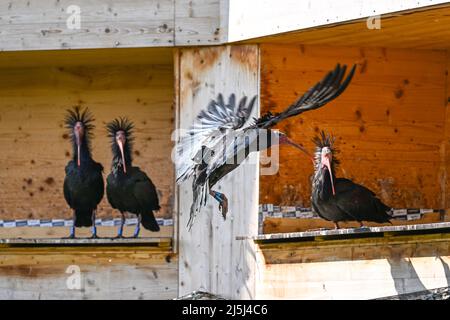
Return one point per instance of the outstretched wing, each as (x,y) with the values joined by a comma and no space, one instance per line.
(330,87)
(210,126)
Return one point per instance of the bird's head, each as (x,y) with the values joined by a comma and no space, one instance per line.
(79,123)
(120,131)
(324,160)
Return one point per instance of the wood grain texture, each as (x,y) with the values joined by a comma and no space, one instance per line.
(389,123)
(42,24)
(281,225)
(345,269)
(424,28)
(200,22)
(36,146)
(210,257)
(106,273)
(28,25)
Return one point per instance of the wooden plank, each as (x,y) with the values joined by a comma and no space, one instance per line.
(445,166)
(345,269)
(381,230)
(282,225)
(200,22)
(405,24)
(36,146)
(86,57)
(389,123)
(210,258)
(105,273)
(41,24)
(87,241)
(61,232)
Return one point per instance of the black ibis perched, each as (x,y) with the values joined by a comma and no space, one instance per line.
(219,140)
(83,184)
(339,199)
(129,189)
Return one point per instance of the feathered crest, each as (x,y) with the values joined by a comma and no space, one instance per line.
(120,124)
(83,115)
(127,126)
(325,140)
(77,114)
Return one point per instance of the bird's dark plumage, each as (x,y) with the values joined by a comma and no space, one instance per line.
(83,184)
(219,135)
(351,201)
(129,189)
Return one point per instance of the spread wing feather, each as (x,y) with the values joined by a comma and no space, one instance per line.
(210,127)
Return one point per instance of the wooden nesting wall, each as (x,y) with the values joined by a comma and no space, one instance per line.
(389,124)
(35,145)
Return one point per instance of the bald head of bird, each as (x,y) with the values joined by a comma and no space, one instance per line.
(79,123)
(120,132)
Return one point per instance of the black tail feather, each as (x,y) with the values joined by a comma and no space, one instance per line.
(149,222)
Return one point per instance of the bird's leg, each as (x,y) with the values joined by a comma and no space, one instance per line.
(72,228)
(138,227)
(94,228)
(122,221)
(336,226)
(223,202)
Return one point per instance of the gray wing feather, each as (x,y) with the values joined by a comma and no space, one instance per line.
(209,128)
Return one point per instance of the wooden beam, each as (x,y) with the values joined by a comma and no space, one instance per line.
(210,258)
(109,272)
(200,22)
(281,16)
(43,24)
(345,269)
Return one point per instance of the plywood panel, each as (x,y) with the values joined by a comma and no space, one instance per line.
(35,144)
(28,25)
(280,225)
(105,273)
(425,28)
(389,123)
(211,259)
(200,22)
(376,268)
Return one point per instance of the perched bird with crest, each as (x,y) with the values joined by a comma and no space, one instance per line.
(129,189)
(339,199)
(219,141)
(83,184)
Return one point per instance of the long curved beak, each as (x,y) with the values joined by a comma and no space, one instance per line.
(326,162)
(78,142)
(296,145)
(120,143)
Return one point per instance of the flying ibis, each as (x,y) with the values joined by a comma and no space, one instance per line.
(222,137)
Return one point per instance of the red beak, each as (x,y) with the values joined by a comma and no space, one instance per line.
(121,142)
(78,141)
(326,163)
